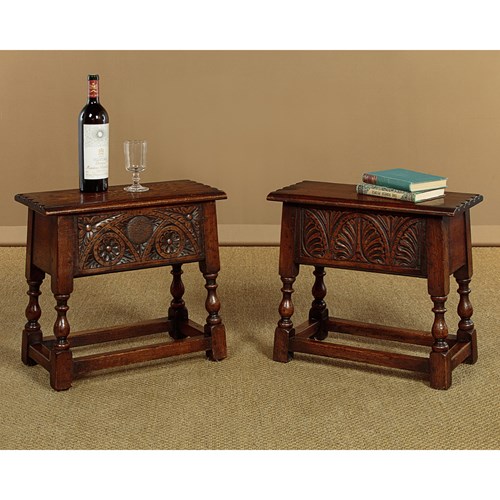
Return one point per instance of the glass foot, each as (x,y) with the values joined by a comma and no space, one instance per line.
(136,188)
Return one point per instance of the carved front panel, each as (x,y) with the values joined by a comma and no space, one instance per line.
(131,238)
(364,240)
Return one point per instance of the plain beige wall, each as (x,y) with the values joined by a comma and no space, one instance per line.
(249,122)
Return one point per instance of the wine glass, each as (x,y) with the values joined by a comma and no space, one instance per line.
(135,162)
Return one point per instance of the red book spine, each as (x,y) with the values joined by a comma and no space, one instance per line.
(370,178)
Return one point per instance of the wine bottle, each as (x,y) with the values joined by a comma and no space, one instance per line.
(93,141)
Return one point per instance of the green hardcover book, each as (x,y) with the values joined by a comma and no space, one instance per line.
(398,194)
(405,180)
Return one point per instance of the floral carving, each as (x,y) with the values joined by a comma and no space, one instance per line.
(89,226)
(170,242)
(374,239)
(108,249)
(145,236)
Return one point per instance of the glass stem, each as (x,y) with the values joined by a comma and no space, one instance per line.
(135,178)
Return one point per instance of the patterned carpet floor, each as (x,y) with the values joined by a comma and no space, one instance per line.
(248,401)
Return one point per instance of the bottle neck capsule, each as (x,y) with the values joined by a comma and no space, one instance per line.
(93,91)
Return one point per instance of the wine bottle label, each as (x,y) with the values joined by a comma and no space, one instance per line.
(96,151)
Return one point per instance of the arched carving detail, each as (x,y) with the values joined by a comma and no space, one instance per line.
(149,235)
(343,236)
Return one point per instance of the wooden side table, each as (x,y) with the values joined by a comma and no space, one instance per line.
(73,234)
(330,225)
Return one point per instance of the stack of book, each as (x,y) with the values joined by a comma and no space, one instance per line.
(402,184)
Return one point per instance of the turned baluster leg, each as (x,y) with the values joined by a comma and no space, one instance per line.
(438,286)
(214,327)
(32,333)
(210,267)
(440,362)
(288,271)
(284,331)
(61,357)
(318,311)
(439,327)
(177,311)
(466,331)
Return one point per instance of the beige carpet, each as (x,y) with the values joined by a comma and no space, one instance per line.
(248,401)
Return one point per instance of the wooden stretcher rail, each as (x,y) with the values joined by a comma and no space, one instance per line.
(85,364)
(40,354)
(389,359)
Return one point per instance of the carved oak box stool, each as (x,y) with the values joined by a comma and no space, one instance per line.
(330,225)
(73,234)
